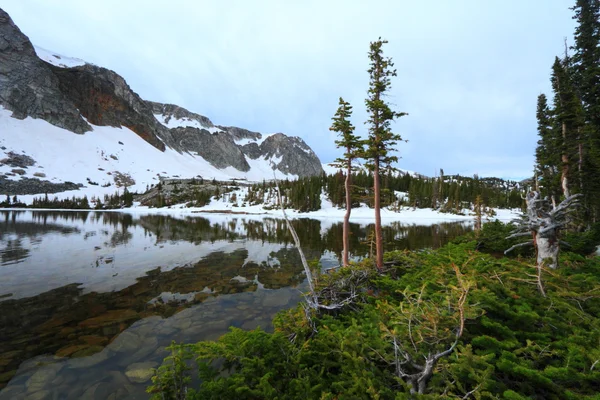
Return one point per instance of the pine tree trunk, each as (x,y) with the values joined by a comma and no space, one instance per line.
(378,232)
(580,166)
(346,229)
(565,165)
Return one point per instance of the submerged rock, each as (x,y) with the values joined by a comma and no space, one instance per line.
(140,372)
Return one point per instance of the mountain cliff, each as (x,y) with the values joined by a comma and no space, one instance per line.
(43,95)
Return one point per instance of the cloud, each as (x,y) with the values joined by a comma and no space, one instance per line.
(469,71)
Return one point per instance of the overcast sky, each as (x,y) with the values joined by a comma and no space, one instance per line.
(469,71)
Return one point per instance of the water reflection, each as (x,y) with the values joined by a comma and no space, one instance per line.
(73,282)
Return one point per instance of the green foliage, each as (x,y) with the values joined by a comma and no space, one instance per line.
(348,141)
(583,243)
(381,140)
(516,344)
(492,239)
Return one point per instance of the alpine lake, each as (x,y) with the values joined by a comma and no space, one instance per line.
(89,301)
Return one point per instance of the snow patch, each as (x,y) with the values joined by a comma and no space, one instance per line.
(56,59)
(245,141)
(184,123)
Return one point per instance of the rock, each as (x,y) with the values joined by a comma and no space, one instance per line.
(42,377)
(27,85)
(168,111)
(12,393)
(40,395)
(147,347)
(17,160)
(98,391)
(109,318)
(219,149)
(34,186)
(140,372)
(87,351)
(147,326)
(6,376)
(121,393)
(276,298)
(68,350)
(104,98)
(126,342)
(86,362)
(94,340)
(296,156)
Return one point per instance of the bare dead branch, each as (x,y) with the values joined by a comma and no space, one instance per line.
(528,243)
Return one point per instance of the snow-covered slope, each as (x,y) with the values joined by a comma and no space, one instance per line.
(96,156)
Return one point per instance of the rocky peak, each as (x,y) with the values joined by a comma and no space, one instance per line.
(104,98)
(68,93)
(172,115)
(27,85)
(294,155)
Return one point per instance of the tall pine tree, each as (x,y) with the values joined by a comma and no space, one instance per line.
(352,146)
(547,153)
(568,118)
(586,74)
(381,140)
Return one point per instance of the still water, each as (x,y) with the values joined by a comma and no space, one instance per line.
(90,300)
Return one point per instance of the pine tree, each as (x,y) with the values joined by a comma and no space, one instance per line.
(586,76)
(547,153)
(352,146)
(568,119)
(381,140)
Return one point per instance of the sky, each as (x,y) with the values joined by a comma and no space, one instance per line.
(468,71)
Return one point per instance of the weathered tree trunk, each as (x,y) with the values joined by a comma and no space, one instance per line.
(378,231)
(547,250)
(545,237)
(346,228)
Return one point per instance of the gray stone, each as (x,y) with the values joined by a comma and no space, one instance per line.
(41,395)
(85,362)
(120,393)
(34,186)
(126,342)
(42,377)
(17,160)
(147,347)
(276,298)
(98,391)
(140,372)
(12,392)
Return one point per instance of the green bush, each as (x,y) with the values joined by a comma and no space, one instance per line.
(515,344)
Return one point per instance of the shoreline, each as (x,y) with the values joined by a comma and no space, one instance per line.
(361,215)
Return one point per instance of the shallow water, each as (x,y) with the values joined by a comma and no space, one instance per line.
(88,301)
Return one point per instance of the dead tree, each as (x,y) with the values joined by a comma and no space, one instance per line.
(422,332)
(543,223)
(349,290)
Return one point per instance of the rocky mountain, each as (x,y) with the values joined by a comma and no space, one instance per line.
(90,101)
